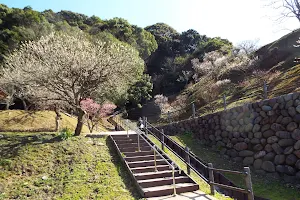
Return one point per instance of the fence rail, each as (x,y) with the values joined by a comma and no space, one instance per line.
(206,171)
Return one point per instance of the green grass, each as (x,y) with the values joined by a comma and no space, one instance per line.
(204,187)
(263,186)
(40,166)
(36,121)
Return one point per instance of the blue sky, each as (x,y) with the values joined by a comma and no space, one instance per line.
(236,20)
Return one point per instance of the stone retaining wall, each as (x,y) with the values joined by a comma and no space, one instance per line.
(264,135)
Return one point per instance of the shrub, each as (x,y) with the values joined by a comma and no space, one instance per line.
(65,134)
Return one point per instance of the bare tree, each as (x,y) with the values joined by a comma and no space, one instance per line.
(69,68)
(247,47)
(286,8)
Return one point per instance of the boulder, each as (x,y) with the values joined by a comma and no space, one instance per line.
(248,161)
(248,127)
(279,119)
(288,97)
(277,127)
(259,154)
(256,128)
(298,109)
(263,141)
(289,104)
(272,139)
(257,120)
(269,156)
(298,175)
(286,142)
(266,108)
(280,168)
(245,153)
(236,134)
(279,159)
(258,135)
(297,145)
(250,135)
(288,150)
(289,170)
(292,111)
(296,134)
(268,133)
(257,164)
(265,127)
(240,146)
(286,120)
(268,148)
(278,149)
(297,165)
(284,112)
(237,159)
(255,141)
(296,118)
(297,153)
(268,166)
(263,113)
(258,147)
(283,134)
(292,126)
(291,159)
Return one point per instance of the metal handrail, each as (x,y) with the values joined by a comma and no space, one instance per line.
(137,130)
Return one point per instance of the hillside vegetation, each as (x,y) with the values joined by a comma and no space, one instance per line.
(41,166)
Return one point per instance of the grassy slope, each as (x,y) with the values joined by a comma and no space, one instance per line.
(19,120)
(38,166)
(264,187)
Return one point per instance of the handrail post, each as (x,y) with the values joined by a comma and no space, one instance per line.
(248,183)
(155,166)
(211,178)
(162,140)
(193,110)
(188,160)
(146,126)
(174,182)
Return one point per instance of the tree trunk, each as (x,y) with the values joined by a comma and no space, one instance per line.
(79,122)
(57,119)
(24,104)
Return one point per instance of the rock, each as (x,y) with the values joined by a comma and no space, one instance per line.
(256,128)
(255,141)
(269,156)
(272,139)
(280,168)
(268,166)
(278,149)
(283,134)
(288,150)
(279,159)
(297,153)
(292,126)
(250,135)
(284,113)
(296,134)
(265,127)
(44,177)
(1,136)
(229,128)
(279,119)
(286,142)
(257,120)
(236,135)
(298,109)
(289,179)
(295,95)
(292,111)
(223,151)
(288,97)
(266,108)
(298,176)
(291,159)
(268,133)
(257,164)
(241,146)
(297,145)
(220,144)
(277,127)
(233,153)
(237,159)
(263,141)
(286,120)
(248,161)
(224,134)
(289,104)
(245,153)
(248,127)
(268,148)
(258,147)
(296,118)
(212,137)
(261,172)
(263,114)
(259,154)
(289,170)
(297,165)
(258,135)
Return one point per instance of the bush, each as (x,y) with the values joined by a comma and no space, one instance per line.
(66,133)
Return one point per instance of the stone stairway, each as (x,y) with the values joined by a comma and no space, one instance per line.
(151,169)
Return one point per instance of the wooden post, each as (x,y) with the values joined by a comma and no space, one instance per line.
(265,90)
(249,183)
(224,101)
(211,178)
(193,110)
(162,140)
(188,160)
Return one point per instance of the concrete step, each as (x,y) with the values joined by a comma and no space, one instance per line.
(138,153)
(163,181)
(132,144)
(152,175)
(150,169)
(145,163)
(135,149)
(140,158)
(169,189)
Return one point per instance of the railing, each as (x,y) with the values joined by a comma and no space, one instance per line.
(127,126)
(207,172)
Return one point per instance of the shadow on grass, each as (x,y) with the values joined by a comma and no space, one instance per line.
(123,171)
(10,144)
